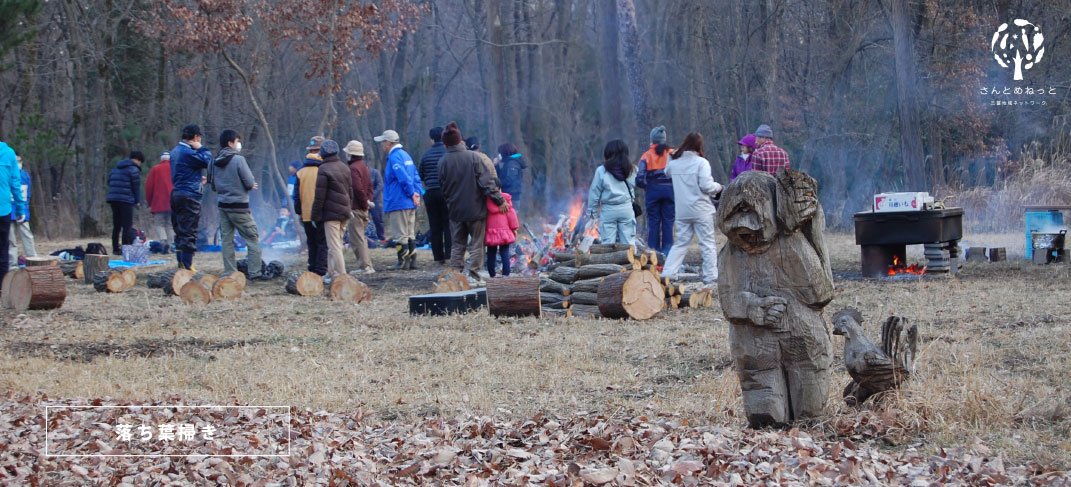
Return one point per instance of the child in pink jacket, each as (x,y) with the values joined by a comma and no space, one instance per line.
(501,232)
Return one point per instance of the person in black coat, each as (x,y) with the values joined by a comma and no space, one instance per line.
(124,183)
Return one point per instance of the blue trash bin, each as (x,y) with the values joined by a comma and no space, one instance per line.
(1045,221)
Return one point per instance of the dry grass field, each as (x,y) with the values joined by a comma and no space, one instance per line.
(993,368)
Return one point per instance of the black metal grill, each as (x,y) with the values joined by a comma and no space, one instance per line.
(884,235)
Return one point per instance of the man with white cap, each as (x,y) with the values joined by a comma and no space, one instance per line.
(362,202)
(401,198)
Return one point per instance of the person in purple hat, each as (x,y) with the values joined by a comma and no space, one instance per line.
(743,161)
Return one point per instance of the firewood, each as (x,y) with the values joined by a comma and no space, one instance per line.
(636,295)
(451,280)
(347,288)
(695,299)
(642,260)
(710,300)
(208,280)
(194,292)
(622,257)
(608,248)
(178,279)
(93,264)
(514,296)
(130,278)
(587,285)
(447,286)
(673,302)
(564,274)
(305,284)
(563,257)
(551,298)
(42,261)
(591,299)
(563,304)
(561,313)
(585,311)
(72,268)
(228,288)
(39,287)
(109,281)
(600,270)
(5,293)
(547,285)
(238,277)
(160,279)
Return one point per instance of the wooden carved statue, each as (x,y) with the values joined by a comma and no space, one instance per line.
(875,370)
(774,282)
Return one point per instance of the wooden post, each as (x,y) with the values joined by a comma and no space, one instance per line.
(37,288)
(631,294)
(93,264)
(513,296)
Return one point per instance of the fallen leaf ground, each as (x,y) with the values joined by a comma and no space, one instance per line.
(381,397)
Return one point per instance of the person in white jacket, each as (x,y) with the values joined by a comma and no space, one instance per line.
(612,191)
(693,190)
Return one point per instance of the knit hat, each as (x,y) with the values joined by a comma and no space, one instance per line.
(328,148)
(764,131)
(354,148)
(472,143)
(165,156)
(658,135)
(389,136)
(748,141)
(314,143)
(295,164)
(452,135)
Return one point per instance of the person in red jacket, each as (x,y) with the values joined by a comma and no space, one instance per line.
(158,194)
(501,233)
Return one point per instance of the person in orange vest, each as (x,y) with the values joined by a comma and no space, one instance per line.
(652,178)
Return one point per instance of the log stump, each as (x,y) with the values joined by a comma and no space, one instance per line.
(42,261)
(228,288)
(93,264)
(636,295)
(598,270)
(36,288)
(621,257)
(179,278)
(347,288)
(514,296)
(305,284)
(195,293)
(109,281)
(72,269)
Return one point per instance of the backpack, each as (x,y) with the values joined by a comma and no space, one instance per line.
(96,248)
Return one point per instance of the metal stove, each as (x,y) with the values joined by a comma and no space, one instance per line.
(883,238)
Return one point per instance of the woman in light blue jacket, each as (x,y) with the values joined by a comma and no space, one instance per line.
(611,194)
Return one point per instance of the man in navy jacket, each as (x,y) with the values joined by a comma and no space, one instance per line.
(188,162)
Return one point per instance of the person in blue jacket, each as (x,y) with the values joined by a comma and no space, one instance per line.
(13,208)
(400,198)
(661,208)
(188,161)
(124,192)
(21,230)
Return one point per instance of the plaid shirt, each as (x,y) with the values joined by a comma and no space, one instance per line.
(769,157)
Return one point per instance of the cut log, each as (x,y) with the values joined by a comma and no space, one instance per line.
(697,299)
(239,277)
(160,279)
(587,285)
(551,286)
(72,269)
(710,300)
(673,302)
(129,277)
(93,264)
(448,303)
(513,296)
(564,257)
(227,288)
(591,299)
(608,248)
(559,313)
(42,261)
(585,311)
(551,298)
(622,257)
(636,295)
(450,281)
(674,289)
(195,293)
(109,281)
(448,286)
(564,274)
(208,280)
(305,284)
(5,287)
(36,288)
(179,278)
(347,288)
(642,260)
(600,270)
(563,304)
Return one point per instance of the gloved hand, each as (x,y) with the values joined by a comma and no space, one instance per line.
(371,204)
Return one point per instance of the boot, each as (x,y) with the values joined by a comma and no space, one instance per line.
(412,254)
(401,259)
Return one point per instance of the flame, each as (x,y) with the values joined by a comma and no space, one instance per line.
(575,208)
(898,267)
(559,240)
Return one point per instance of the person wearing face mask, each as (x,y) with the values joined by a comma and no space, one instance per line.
(232,181)
(743,161)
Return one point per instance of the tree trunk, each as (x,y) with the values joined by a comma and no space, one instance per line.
(609,70)
(93,264)
(630,49)
(636,295)
(305,284)
(36,288)
(513,296)
(907,95)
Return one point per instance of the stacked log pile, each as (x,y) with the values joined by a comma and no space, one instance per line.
(572,288)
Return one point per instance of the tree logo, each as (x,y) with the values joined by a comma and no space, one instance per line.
(1009,46)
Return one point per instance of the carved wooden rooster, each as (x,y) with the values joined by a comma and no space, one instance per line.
(874,369)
